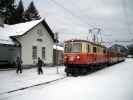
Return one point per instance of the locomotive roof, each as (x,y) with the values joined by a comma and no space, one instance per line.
(78,40)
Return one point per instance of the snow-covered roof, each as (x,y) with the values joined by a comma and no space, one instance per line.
(16,29)
(58,48)
(6,41)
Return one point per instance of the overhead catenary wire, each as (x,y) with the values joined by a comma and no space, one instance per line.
(70,12)
(124,6)
(116,41)
(85,22)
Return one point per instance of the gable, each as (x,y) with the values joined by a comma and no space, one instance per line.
(21,29)
(45,25)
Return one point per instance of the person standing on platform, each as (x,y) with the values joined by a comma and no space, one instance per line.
(18,65)
(39,65)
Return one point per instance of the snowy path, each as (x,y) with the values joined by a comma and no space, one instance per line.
(11,81)
(113,83)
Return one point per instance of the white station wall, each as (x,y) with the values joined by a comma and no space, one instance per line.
(30,39)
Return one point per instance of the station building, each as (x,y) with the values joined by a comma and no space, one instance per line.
(28,40)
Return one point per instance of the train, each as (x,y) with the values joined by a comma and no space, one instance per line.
(82,57)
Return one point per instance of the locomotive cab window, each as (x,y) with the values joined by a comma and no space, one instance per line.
(94,49)
(73,47)
(76,47)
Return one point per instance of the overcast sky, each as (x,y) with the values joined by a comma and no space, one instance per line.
(73,18)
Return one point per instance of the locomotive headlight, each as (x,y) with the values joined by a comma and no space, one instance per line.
(65,57)
(78,57)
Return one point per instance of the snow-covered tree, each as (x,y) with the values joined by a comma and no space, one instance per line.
(7,9)
(31,13)
(19,14)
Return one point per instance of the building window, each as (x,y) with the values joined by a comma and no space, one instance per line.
(94,49)
(43,52)
(34,52)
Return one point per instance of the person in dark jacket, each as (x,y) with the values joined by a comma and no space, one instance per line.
(39,65)
(18,65)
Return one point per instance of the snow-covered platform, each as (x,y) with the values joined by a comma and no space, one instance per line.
(10,81)
(112,83)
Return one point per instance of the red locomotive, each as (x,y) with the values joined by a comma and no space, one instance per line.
(82,56)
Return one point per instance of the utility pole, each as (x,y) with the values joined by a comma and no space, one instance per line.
(56,52)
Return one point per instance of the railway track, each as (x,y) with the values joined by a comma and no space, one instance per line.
(39,84)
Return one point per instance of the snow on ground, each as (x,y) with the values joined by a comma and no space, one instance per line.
(112,83)
(12,81)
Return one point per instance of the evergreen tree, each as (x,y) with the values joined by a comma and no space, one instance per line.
(31,13)
(19,14)
(7,9)
(3,6)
